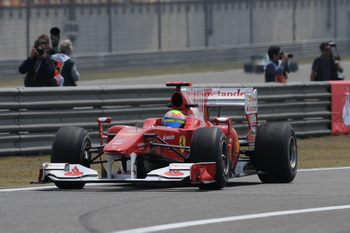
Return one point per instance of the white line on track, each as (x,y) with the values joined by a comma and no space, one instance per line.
(52,186)
(35,188)
(26,188)
(322,169)
(230,219)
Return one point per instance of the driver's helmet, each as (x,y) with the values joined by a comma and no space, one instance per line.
(174,119)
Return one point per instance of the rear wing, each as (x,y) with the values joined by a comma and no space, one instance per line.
(227,97)
(224,97)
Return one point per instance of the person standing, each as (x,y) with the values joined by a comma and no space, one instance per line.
(65,65)
(276,67)
(325,67)
(39,67)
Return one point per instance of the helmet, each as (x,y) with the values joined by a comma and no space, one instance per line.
(174,119)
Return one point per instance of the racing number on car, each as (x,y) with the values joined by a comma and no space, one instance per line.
(182,142)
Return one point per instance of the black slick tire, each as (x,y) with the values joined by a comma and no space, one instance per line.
(276,153)
(209,144)
(71,145)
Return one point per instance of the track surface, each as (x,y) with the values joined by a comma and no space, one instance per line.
(245,205)
(215,78)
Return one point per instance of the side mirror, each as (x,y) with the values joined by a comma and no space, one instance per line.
(102,120)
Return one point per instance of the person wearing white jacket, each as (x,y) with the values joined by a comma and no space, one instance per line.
(65,67)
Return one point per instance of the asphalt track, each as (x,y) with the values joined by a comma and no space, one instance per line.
(214,78)
(317,201)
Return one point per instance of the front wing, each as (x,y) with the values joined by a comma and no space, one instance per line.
(196,173)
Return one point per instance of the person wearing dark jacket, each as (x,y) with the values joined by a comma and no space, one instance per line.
(65,65)
(325,67)
(277,65)
(39,67)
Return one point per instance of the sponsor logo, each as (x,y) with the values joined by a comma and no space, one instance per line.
(253,129)
(168,137)
(55,166)
(118,142)
(346,109)
(74,172)
(177,166)
(253,118)
(174,173)
(224,93)
(216,92)
(141,146)
(182,142)
(128,134)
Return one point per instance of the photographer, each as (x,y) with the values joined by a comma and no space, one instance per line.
(325,67)
(277,67)
(39,66)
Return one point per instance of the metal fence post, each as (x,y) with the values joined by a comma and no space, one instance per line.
(159,6)
(251,24)
(208,20)
(27,26)
(109,23)
(294,19)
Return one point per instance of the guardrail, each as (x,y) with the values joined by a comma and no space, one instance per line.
(29,117)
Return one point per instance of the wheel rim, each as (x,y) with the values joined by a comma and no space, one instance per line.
(86,154)
(293,154)
(225,158)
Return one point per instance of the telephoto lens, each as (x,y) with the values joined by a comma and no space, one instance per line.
(290,55)
(332,44)
(40,51)
(55,36)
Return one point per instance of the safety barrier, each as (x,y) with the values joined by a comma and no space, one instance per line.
(29,117)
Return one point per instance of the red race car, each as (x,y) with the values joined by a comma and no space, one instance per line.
(182,147)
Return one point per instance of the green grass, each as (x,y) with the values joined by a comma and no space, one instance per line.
(327,151)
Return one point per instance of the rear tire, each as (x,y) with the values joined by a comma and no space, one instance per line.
(209,144)
(248,67)
(71,145)
(276,153)
(293,67)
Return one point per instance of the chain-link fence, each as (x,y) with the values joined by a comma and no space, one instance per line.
(9,3)
(106,27)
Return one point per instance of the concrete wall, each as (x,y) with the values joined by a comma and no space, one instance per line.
(125,28)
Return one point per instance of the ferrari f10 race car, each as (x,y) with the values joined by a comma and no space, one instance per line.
(184,147)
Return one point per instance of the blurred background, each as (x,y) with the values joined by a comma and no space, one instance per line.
(124,34)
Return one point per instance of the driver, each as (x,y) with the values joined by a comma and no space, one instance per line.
(174,119)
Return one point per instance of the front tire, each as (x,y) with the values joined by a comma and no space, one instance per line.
(209,144)
(276,153)
(71,145)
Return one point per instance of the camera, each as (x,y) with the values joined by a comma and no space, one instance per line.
(40,51)
(55,38)
(332,44)
(290,55)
